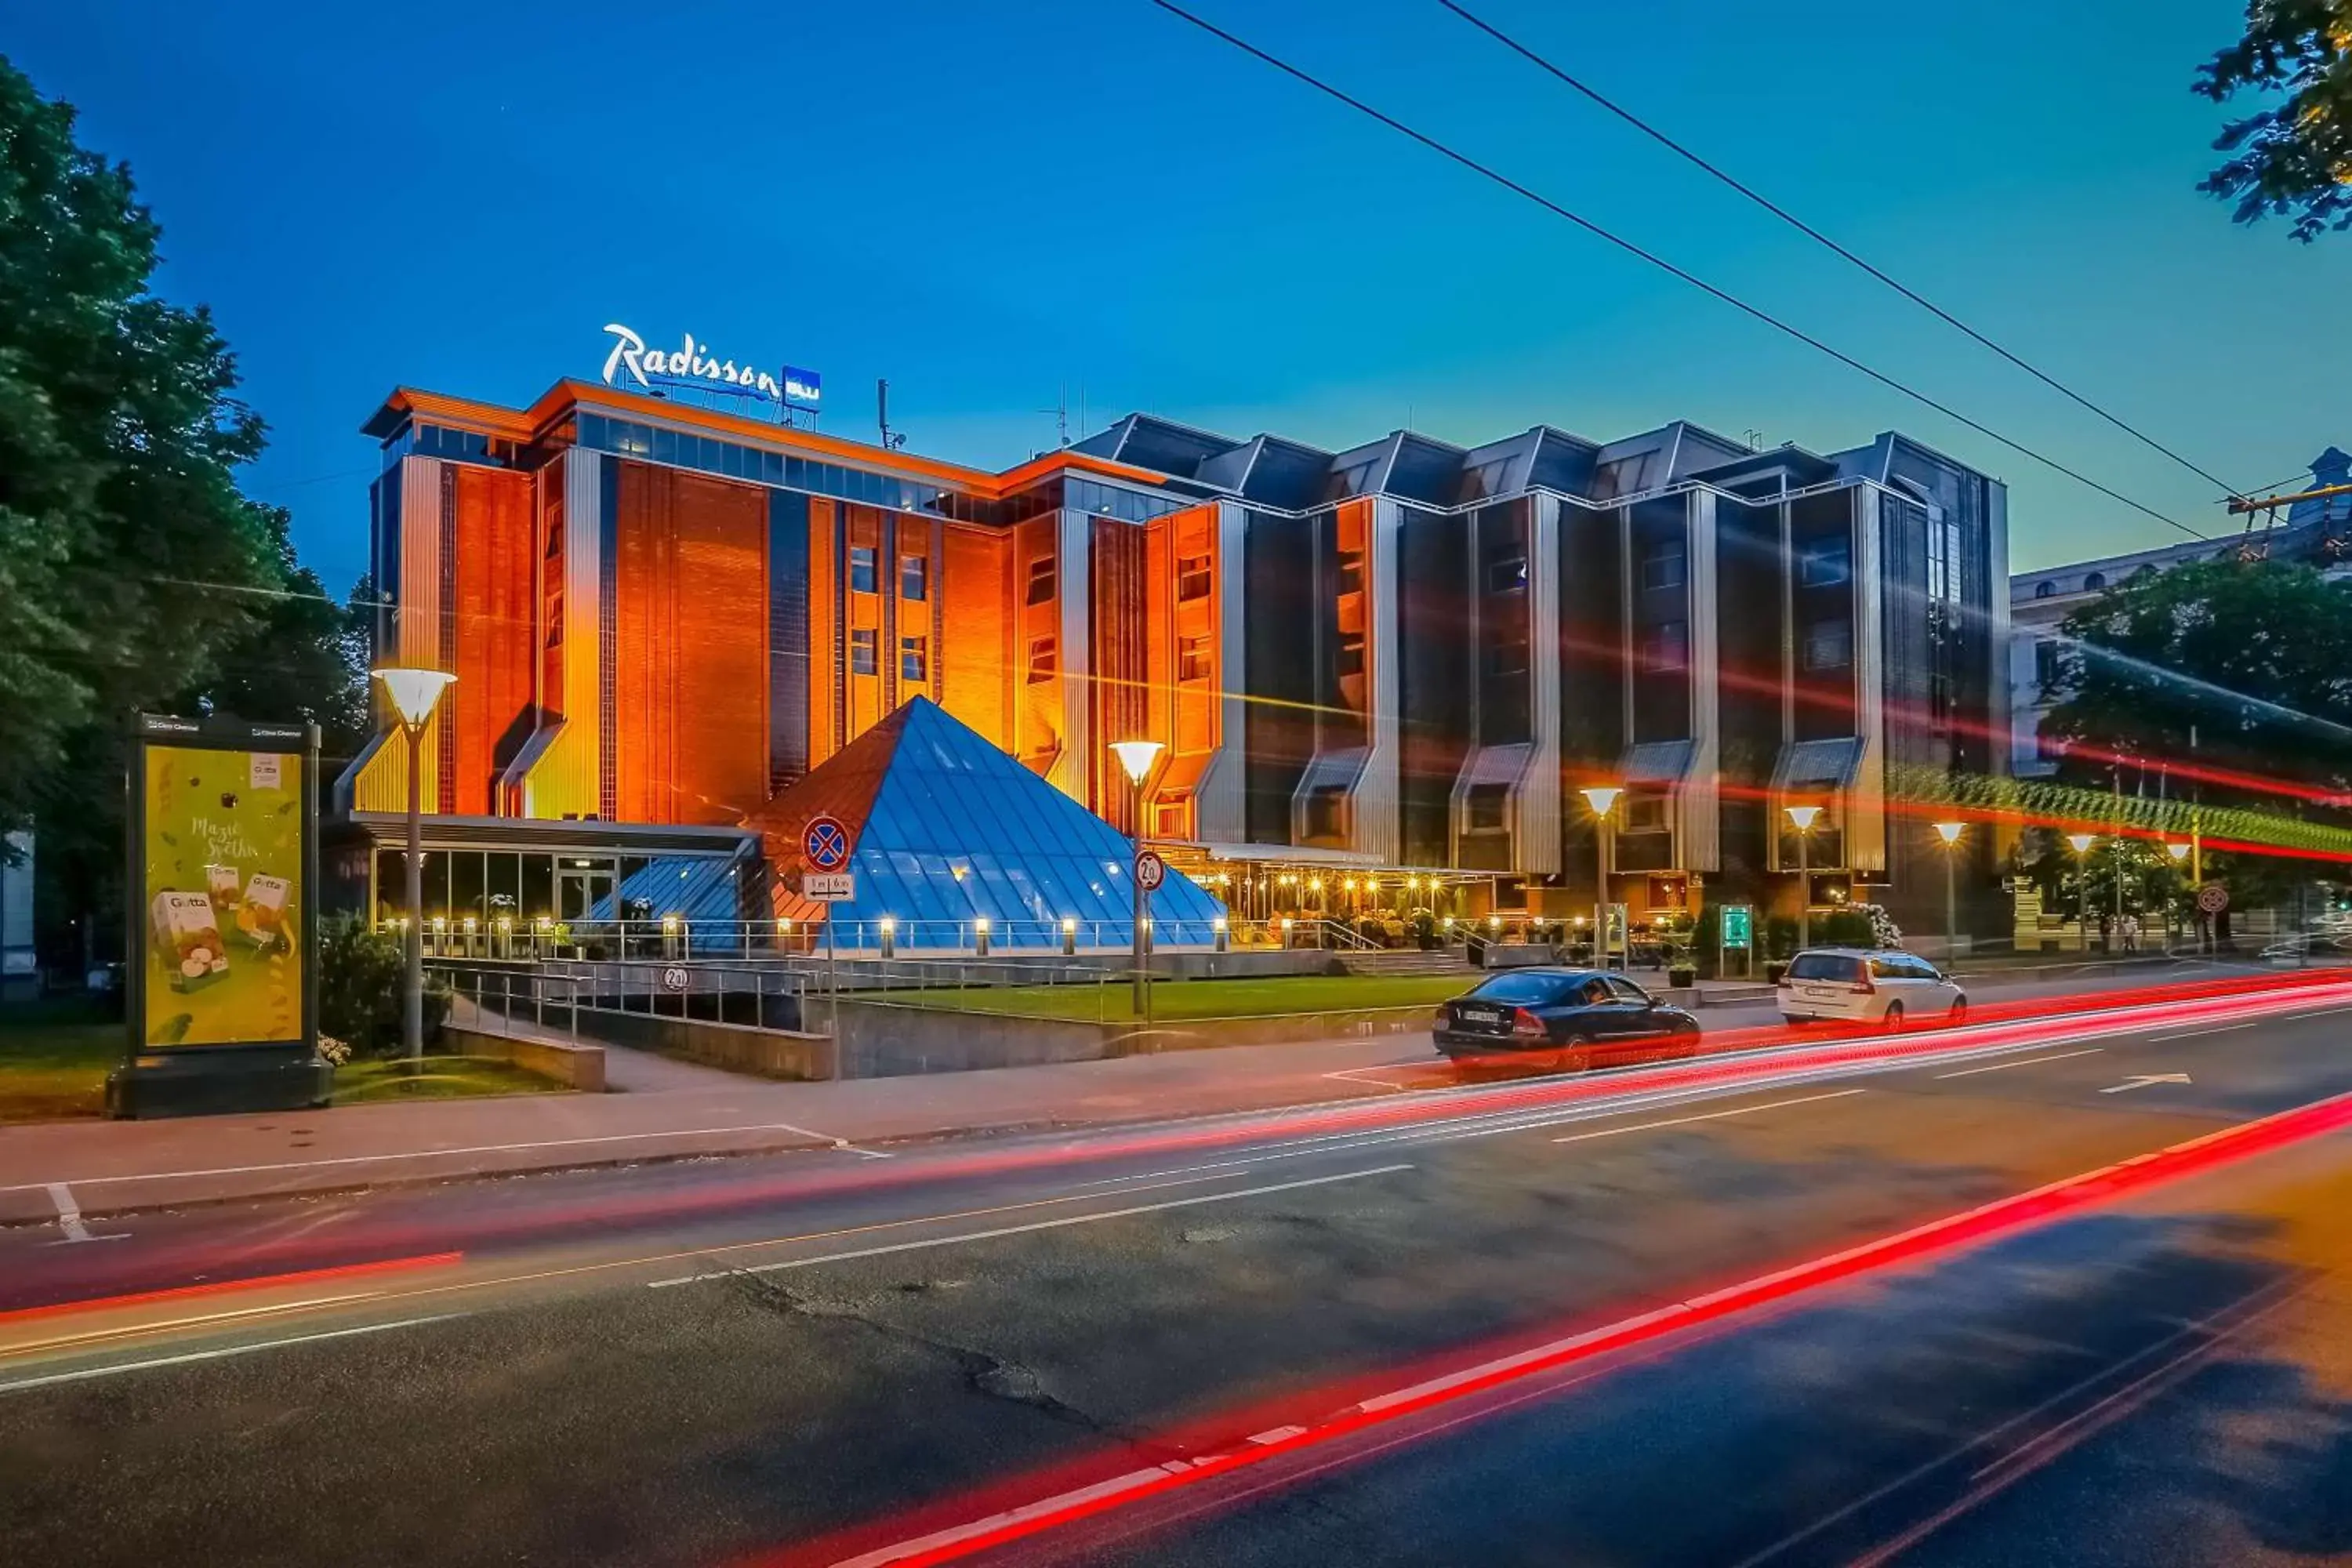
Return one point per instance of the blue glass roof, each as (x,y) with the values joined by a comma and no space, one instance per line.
(957,829)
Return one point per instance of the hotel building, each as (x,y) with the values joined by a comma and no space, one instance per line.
(1402,659)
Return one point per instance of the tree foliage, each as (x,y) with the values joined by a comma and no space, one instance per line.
(2294,157)
(2238,666)
(127,554)
(2208,681)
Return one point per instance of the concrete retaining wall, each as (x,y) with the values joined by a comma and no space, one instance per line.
(883,1039)
(582,1066)
(769,1053)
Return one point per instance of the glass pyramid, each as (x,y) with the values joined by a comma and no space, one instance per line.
(947,830)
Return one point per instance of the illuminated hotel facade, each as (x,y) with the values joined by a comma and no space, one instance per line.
(1405,657)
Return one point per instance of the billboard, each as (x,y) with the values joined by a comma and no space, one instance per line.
(222,894)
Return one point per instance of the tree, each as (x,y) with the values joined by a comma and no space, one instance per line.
(2295,157)
(2239,668)
(127,559)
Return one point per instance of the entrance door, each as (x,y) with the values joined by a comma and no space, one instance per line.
(578,893)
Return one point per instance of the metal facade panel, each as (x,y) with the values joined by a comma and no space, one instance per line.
(1698,805)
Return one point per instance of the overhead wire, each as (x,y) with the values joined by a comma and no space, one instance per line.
(1801,226)
(1653,259)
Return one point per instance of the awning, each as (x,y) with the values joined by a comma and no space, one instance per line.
(1832,763)
(1659,761)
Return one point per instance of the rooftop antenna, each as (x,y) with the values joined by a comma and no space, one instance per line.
(1061,413)
(882,417)
(1755,439)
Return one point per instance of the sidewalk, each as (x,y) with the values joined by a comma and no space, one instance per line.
(667,1109)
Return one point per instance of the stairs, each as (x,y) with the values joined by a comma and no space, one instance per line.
(1405,961)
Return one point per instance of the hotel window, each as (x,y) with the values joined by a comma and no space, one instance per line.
(1826,563)
(1326,804)
(555,619)
(1829,645)
(861,568)
(1191,577)
(1482,807)
(1041,581)
(1645,813)
(1507,653)
(1041,659)
(914,577)
(1351,654)
(1192,657)
(1665,566)
(1665,647)
(913,658)
(1508,575)
(862,659)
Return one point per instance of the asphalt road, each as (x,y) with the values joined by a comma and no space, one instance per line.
(812,1357)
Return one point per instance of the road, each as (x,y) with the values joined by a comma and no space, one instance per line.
(1543,1322)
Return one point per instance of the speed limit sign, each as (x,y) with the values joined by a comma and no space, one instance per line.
(1150,870)
(674,978)
(2212,898)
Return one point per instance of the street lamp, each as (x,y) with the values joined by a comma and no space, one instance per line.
(2080,843)
(1137,757)
(1804,817)
(1949,832)
(1603,799)
(414,694)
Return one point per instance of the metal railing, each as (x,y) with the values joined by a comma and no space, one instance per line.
(674,939)
(553,997)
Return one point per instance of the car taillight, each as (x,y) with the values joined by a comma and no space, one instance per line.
(1526,1026)
(1863,987)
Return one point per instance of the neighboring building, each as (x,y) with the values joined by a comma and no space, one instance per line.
(1403,658)
(2318,532)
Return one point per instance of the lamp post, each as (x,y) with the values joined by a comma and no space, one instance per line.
(1137,757)
(1603,799)
(1949,832)
(2080,843)
(414,694)
(1804,817)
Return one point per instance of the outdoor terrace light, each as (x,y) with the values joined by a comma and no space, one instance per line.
(2178,851)
(2081,842)
(1949,832)
(470,923)
(1601,797)
(414,692)
(1804,817)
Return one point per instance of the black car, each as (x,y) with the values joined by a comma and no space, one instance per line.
(1570,1018)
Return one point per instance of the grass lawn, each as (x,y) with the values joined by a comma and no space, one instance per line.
(53,1058)
(1174,999)
(371,1081)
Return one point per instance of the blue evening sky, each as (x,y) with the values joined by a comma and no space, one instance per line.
(1003,206)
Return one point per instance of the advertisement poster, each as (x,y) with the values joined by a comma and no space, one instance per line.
(224,895)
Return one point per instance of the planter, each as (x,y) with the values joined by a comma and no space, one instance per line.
(1683,975)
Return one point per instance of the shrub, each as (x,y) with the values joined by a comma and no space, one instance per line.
(1683,975)
(359,989)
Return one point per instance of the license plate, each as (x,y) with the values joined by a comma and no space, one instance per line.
(1478,1015)
(1820,991)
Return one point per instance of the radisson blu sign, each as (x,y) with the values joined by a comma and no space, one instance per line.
(691,366)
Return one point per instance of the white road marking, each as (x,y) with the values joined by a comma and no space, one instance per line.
(199,1321)
(2142,1079)
(430,1153)
(1355,1075)
(19,1384)
(2221,1030)
(1002,1230)
(68,1213)
(2029,1061)
(1710,1116)
(844,1145)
